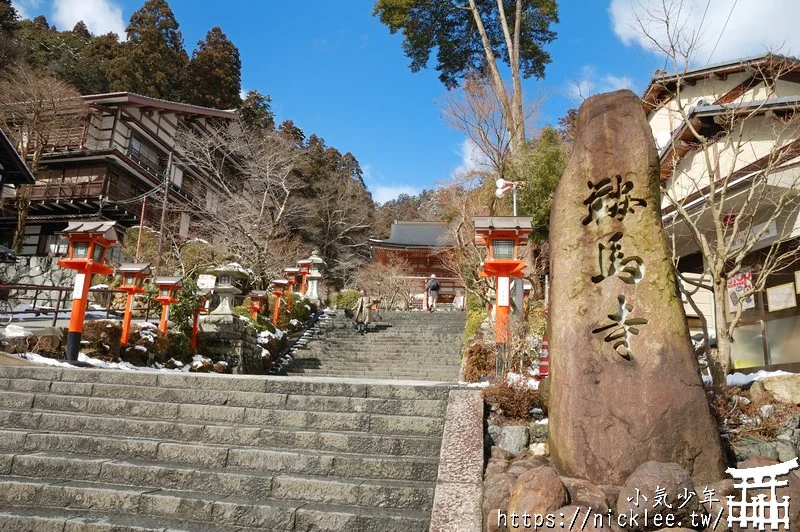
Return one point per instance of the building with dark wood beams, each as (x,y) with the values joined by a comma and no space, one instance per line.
(106,167)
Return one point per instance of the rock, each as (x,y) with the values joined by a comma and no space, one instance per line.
(511,438)
(138,357)
(748,447)
(624,391)
(766,411)
(785,388)
(538,491)
(544,393)
(498,452)
(759,394)
(787,444)
(537,432)
(792,490)
(496,465)
(221,367)
(583,492)
(52,340)
(496,492)
(611,492)
(517,469)
(532,462)
(563,518)
(639,492)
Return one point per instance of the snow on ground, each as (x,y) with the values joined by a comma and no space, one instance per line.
(740,379)
(265,336)
(15,331)
(99,287)
(512,378)
(39,359)
(294,322)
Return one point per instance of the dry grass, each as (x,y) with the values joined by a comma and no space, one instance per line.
(729,411)
(515,401)
(480,362)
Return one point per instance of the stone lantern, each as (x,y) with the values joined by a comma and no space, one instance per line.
(502,236)
(258,302)
(133,276)
(88,243)
(278,288)
(310,268)
(167,295)
(226,288)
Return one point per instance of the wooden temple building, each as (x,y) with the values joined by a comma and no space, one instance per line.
(424,247)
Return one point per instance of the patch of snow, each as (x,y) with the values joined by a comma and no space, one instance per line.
(99,287)
(307,307)
(198,361)
(147,325)
(195,239)
(516,378)
(39,359)
(740,379)
(294,322)
(15,331)
(476,384)
(140,348)
(222,363)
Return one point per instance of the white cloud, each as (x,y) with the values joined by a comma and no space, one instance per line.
(754,27)
(590,82)
(472,159)
(27,8)
(100,16)
(382,193)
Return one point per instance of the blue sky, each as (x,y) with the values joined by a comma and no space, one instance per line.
(333,69)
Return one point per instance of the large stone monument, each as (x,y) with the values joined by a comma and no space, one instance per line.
(625,384)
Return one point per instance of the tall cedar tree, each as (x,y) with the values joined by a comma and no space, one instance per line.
(214,75)
(256,111)
(153,61)
(8,18)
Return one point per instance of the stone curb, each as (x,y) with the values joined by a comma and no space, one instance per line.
(458,498)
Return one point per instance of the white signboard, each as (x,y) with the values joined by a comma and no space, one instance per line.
(737,285)
(781,297)
(503,299)
(206,282)
(748,236)
(77,292)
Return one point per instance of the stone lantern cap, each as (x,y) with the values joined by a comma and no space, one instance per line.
(258,293)
(279,283)
(168,281)
(132,267)
(233,270)
(293,270)
(106,230)
(313,259)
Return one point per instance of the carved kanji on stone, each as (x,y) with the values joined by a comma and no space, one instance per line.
(622,327)
(613,261)
(610,197)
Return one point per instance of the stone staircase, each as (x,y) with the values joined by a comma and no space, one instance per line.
(397,345)
(105,450)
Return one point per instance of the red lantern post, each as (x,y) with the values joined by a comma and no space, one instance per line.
(291,276)
(278,287)
(502,236)
(258,298)
(133,276)
(167,294)
(88,243)
(305,269)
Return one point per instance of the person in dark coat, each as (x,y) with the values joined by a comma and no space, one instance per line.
(432,289)
(361,312)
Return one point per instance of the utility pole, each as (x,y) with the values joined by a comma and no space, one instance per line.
(167,180)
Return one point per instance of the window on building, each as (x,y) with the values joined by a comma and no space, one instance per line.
(146,155)
(57,246)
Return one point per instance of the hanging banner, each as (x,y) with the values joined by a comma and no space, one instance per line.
(737,285)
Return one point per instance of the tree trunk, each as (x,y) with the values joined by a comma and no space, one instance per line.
(719,360)
(23,206)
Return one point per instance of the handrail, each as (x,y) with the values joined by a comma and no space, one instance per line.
(7,289)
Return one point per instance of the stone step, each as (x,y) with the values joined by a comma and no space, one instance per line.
(114,500)
(157,380)
(308,462)
(116,394)
(225,481)
(23,437)
(443,377)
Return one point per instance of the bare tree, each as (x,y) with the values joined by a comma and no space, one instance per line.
(38,112)
(730,169)
(389,283)
(255,171)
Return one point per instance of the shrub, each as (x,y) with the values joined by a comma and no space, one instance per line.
(480,362)
(261,324)
(474,320)
(513,400)
(103,337)
(178,347)
(345,299)
(181,314)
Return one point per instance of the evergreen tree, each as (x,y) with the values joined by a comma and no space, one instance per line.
(256,111)
(81,30)
(153,61)
(214,75)
(9,19)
